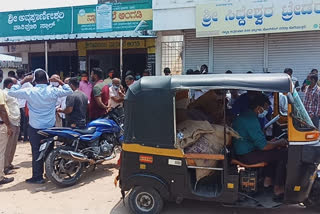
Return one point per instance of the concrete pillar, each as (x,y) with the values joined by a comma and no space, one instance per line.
(158,54)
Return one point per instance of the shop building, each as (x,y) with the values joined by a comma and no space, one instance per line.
(214,36)
(70,40)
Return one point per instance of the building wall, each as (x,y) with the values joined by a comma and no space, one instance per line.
(175,14)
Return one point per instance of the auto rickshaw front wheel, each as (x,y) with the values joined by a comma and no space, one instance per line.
(145,200)
(313,202)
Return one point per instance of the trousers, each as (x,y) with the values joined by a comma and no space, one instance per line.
(24,121)
(3,145)
(277,163)
(37,166)
(11,146)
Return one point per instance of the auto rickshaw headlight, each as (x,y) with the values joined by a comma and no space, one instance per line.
(312,136)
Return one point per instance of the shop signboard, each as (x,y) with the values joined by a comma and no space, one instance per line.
(242,17)
(36,22)
(127,17)
(84,19)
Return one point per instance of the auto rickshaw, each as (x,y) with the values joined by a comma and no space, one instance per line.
(154,170)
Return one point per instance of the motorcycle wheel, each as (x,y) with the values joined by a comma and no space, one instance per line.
(60,171)
(313,202)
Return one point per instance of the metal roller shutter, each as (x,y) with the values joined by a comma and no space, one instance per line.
(239,54)
(299,51)
(196,50)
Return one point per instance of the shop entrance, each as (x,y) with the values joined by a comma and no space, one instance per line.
(65,64)
(134,60)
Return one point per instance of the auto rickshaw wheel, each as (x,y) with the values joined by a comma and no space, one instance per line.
(313,202)
(145,200)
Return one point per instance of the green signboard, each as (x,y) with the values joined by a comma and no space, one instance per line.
(127,17)
(80,19)
(36,22)
(84,19)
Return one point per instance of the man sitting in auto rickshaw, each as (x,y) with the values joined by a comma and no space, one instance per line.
(253,148)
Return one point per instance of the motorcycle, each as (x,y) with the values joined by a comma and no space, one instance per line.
(77,149)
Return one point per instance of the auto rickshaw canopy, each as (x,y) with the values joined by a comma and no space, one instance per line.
(149,102)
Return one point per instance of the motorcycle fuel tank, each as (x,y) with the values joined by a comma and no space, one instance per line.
(105,125)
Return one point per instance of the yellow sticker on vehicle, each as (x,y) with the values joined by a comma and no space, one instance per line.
(143,166)
(230,186)
(297,188)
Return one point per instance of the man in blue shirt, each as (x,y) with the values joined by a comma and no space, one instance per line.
(253,147)
(41,99)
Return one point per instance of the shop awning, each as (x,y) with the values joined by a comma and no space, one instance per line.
(106,35)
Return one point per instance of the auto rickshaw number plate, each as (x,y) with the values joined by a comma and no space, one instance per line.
(174,162)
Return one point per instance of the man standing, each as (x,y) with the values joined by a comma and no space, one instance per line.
(76,106)
(167,71)
(14,118)
(5,132)
(60,103)
(312,99)
(116,94)
(110,75)
(85,85)
(100,95)
(129,80)
(22,104)
(295,81)
(41,101)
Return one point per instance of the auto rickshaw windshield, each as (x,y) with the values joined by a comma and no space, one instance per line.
(299,112)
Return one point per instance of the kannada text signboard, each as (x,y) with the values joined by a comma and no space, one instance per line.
(36,22)
(79,19)
(242,17)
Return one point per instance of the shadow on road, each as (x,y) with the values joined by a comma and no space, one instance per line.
(87,177)
(200,207)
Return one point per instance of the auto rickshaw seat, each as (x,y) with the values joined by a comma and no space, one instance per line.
(248,166)
(191,157)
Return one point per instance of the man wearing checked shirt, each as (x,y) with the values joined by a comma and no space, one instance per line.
(312,100)
(41,99)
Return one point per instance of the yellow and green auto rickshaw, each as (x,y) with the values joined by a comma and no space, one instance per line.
(154,170)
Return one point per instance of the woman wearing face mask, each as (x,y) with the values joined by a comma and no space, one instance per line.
(253,148)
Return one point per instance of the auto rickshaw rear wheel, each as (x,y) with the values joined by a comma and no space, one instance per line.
(313,202)
(145,200)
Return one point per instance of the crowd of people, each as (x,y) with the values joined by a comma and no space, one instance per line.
(29,103)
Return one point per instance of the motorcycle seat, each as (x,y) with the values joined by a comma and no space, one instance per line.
(89,130)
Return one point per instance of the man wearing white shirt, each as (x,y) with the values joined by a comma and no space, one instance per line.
(22,105)
(116,94)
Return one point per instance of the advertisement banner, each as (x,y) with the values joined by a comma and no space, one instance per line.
(84,19)
(127,17)
(242,17)
(104,18)
(36,22)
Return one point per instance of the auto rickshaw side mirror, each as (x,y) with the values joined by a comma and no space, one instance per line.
(290,98)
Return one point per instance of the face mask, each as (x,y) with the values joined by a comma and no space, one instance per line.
(116,87)
(308,82)
(263,114)
(84,79)
(54,84)
(138,77)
